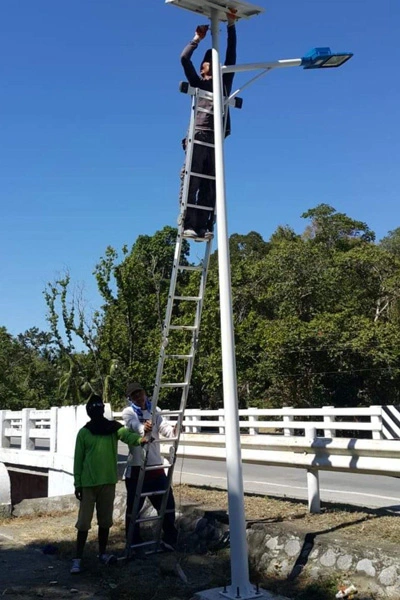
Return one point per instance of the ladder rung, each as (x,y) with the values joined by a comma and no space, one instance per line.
(203,175)
(152,542)
(147,519)
(188,298)
(205,110)
(187,356)
(157,493)
(204,143)
(173,385)
(200,207)
(184,327)
(165,440)
(190,268)
(156,467)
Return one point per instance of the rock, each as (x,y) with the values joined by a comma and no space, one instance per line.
(365,565)
(292,548)
(328,559)
(344,562)
(388,576)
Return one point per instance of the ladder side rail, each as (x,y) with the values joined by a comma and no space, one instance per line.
(185,390)
(135,507)
(166,328)
(177,256)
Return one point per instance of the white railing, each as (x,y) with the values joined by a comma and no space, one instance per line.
(203,437)
(28,426)
(288,421)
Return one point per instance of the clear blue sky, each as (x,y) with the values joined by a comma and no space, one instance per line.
(91,123)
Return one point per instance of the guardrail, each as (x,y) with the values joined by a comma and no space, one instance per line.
(374,457)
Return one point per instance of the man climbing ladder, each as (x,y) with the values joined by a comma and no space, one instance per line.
(200,223)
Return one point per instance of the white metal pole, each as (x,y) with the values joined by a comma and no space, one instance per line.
(240,585)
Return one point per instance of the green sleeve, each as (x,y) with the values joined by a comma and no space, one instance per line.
(78,459)
(130,438)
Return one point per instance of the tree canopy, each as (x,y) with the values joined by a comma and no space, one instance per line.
(317,322)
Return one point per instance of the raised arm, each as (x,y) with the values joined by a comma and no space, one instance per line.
(190,72)
(230,58)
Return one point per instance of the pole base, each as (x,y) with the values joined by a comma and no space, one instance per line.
(219,594)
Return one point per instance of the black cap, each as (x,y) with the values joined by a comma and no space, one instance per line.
(133,387)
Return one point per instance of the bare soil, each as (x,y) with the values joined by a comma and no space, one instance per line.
(26,571)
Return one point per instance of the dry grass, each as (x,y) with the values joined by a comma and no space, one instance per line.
(157,577)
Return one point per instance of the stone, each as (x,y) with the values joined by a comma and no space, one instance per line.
(388,576)
(292,548)
(272,544)
(328,559)
(365,565)
(344,562)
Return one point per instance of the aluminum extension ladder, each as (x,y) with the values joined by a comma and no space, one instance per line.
(186,349)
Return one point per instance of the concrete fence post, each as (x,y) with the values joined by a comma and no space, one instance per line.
(329,433)
(26,442)
(253,430)
(4,441)
(221,419)
(53,428)
(287,419)
(314,498)
(376,420)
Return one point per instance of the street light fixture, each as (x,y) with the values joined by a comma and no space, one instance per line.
(322,58)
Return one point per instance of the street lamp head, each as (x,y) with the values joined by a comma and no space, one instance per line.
(321,58)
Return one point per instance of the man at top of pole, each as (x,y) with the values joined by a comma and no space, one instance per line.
(199,223)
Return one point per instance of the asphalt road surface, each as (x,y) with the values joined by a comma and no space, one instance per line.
(361,490)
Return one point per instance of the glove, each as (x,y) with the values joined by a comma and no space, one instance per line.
(231,15)
(78,493)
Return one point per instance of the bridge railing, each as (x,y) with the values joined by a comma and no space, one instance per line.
(288,421)
(23,429)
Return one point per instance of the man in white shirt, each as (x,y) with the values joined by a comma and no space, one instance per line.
(138,418)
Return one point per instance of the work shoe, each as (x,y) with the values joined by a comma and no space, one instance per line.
(108,559)
(190,233)
(76,566)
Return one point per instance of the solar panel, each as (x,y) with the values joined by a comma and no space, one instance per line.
(244,10)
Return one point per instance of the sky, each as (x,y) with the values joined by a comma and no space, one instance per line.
(91,122)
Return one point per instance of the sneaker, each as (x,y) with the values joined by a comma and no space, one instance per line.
(190,233)
(76,566)
(208,235)
(108,559)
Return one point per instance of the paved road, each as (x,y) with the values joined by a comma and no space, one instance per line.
(361,490)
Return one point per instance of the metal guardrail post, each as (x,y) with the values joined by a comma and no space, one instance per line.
(314,498)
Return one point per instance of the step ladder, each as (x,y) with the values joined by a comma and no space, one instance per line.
(179,351)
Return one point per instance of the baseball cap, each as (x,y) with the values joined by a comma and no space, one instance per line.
(133,387)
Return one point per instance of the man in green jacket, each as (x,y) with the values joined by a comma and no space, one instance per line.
(95,476)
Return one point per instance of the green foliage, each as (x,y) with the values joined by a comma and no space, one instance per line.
(317,322)
(28,370)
